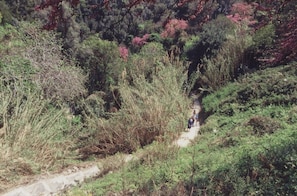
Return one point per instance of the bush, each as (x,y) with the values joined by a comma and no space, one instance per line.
(58,76)
(264,37)
(150,109)
(262,125)
(216,32)
(213,35)
(5,13)
(146,61)
(35,136)
(101,60)
(224,66)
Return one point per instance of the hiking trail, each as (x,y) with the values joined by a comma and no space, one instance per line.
(55,184)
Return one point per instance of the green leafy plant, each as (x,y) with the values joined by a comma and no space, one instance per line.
(5,13)
(224,66)
(101,59)
(149,110)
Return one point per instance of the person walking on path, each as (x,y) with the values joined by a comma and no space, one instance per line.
(191,122)
(195,117)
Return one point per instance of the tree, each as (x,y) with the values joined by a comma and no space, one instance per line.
(55,11)
(194,8)
(101,59)
(282,15)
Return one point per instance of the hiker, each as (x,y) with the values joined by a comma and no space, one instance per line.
(190,122)
(195,117)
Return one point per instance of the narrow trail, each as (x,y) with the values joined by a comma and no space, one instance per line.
(54,184)
(189,135)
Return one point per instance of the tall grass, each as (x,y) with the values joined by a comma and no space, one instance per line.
(151,109)
(224,67)
(34,135)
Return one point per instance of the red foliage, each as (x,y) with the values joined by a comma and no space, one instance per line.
(283,15)
(286,44)
(173,26)
(56,12)
(243,12)
(124,52)
(140,41)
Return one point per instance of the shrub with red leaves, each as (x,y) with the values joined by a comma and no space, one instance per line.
(56,12)
(124,52)
(283,15)
(285,49)
(140,41)
(243,13)
(173,26)
(287,42)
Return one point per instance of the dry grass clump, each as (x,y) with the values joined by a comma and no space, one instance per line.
(35,136)
(262,125)
(151,110)
(56,74)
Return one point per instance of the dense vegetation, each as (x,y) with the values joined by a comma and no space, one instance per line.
(81,80)
(247,146)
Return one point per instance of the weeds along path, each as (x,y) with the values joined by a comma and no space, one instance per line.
(55,184)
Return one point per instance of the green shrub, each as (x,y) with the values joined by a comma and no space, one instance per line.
(264,37)
(5,13)
(101,60)
(213,102)
(147,61)
(150,110)
(215,32)
(190,43)
(224,66)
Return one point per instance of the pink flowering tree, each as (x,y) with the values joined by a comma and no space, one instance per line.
(140,41)
(124,52)
(173,26)
(243,13)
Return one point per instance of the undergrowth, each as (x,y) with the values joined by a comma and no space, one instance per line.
(151,109)
(35,136)
(36,132)
(247,146)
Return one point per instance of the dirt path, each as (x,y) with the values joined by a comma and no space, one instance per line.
(189,135)
(53,184)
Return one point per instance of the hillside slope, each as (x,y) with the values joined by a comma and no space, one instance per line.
(247,146)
